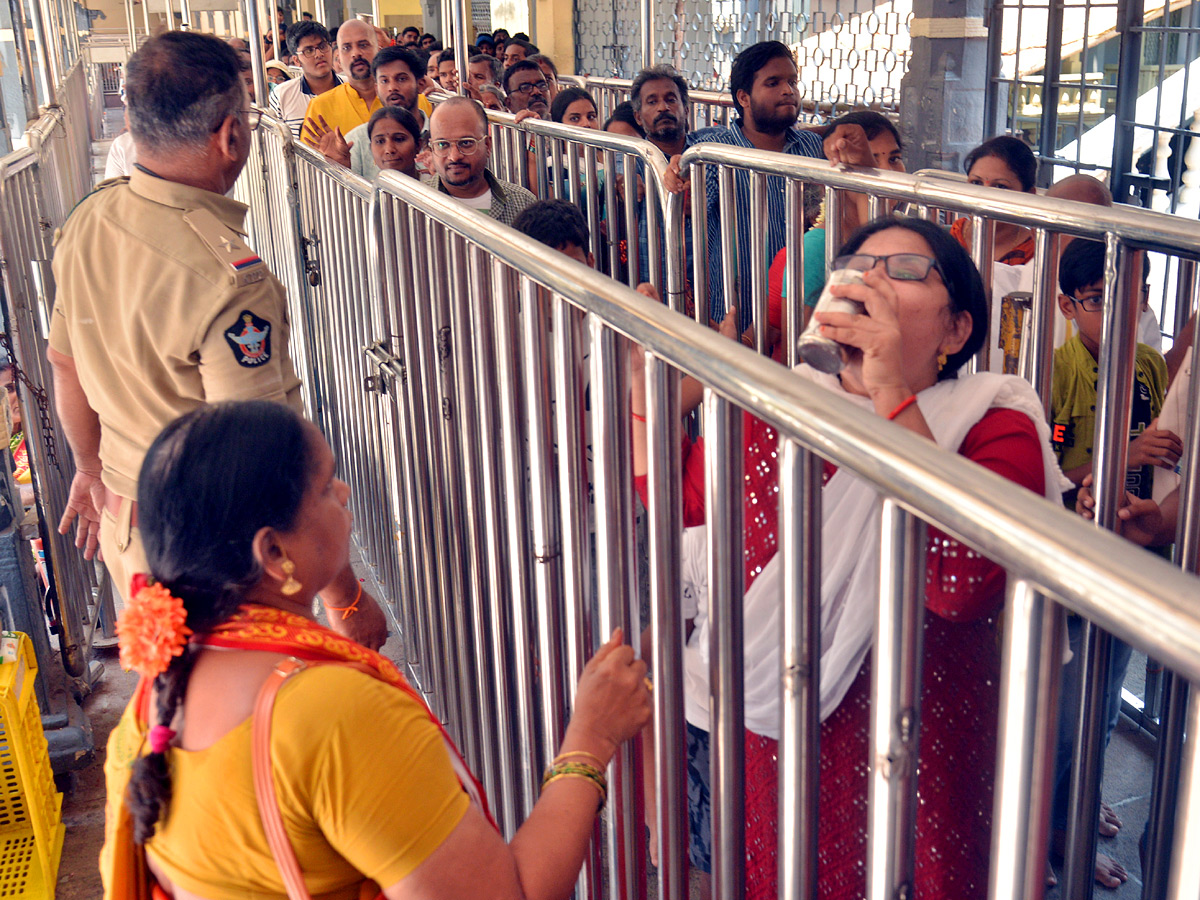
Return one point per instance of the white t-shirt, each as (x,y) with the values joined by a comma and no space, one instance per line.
(1175,416)
(121,156)
(1149,331)
(483,201)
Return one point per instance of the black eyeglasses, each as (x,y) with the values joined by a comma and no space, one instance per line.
(1089,304)
(313,49)
(899,266)
(531,86)
(253,117)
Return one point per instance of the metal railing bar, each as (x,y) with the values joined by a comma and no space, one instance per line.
(724,508)
(505,296)
(800,477)
(666,624)
(615,593)
(1137,227)
(1184,877)
(975,506)
(1026,742)
(896,658)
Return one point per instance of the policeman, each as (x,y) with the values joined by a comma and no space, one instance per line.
(161,305)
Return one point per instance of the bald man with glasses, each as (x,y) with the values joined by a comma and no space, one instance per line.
(458,138)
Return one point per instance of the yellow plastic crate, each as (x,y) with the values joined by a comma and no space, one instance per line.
(31,829)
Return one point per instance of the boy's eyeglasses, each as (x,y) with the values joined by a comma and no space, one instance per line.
(1089,304)
(899,266)
(312,50)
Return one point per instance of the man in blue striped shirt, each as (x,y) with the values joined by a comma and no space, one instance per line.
(763,82)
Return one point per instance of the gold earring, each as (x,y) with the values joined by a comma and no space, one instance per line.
(290,586)
(942,361)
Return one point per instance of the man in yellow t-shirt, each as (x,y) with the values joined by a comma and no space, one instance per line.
(351,103)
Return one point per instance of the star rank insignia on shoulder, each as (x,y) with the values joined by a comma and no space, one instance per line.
(242,263)
(250,340)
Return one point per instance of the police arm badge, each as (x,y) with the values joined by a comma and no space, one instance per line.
(250,340)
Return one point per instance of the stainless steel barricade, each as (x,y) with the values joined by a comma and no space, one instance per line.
(339,320)
(752,174)
(705,108)
(311,222)
(39,185)
(497,314)
(460,359)
(61,138)
(578,164)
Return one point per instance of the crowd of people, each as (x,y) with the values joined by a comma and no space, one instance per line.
(165,429)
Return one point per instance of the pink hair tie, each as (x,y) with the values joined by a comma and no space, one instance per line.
(160,738)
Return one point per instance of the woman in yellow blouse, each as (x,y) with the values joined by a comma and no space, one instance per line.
(244,521)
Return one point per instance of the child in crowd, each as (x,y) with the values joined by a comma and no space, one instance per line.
(558,224)
(1073,421)
(1073,399)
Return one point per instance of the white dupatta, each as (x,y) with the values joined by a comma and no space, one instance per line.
(850,513)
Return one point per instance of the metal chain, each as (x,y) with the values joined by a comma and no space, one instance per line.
(40,397)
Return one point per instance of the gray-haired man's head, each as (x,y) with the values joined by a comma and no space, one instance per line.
(179,88)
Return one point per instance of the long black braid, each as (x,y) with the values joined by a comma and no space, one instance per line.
(197,527)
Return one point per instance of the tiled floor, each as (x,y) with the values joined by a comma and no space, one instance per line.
(1128,768)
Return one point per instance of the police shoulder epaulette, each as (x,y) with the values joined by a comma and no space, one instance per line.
(238,260)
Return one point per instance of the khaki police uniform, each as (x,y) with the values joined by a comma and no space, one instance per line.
(163,308)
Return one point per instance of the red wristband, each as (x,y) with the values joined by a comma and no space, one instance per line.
(638,418)
(904,404)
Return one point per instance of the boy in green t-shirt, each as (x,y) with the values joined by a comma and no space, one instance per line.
(1072,431)
(1073,394)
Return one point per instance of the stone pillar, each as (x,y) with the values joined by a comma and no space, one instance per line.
(432,20)
(942,96)
(556,32)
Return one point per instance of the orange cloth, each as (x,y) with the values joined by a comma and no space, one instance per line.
(1017,256)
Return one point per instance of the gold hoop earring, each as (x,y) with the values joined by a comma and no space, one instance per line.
(942,361)
(290,585)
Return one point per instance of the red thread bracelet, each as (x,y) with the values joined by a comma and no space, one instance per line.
(904,404)
(638,418)
(348,611)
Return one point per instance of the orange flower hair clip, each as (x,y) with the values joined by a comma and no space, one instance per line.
(151,628)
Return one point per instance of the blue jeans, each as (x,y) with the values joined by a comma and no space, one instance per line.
(699,800)
(1070,704)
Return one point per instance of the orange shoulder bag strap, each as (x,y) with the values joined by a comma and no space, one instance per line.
(264,780)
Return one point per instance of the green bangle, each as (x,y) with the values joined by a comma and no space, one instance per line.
(578,770)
